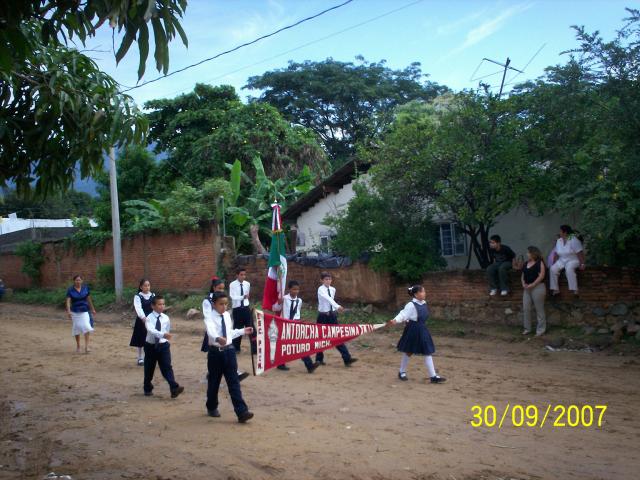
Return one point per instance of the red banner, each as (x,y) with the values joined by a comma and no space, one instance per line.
(279,340)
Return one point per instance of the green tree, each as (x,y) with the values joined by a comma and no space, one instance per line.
(71,204)
(343,102)
(210,127)
(583,119)
(384,230)
(250,202)
(137,179)
(32,259)
(56,107)
(464,159)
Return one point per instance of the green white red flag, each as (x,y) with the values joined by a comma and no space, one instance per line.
(275,285)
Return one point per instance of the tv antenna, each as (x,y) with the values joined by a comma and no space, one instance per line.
(505,66)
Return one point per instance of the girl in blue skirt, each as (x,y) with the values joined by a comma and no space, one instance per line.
(416,338)
(142,304)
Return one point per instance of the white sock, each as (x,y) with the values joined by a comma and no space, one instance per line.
(404,363)
(428,361)
(140,356)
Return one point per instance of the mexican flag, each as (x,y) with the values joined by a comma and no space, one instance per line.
(274,287)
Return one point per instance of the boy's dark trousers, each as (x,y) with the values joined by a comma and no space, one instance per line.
(224,362)
(241,319)
(331,318)
(159,353)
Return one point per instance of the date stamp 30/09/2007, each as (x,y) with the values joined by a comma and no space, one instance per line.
(532,416)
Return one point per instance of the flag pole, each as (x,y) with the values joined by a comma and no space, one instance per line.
(253,354)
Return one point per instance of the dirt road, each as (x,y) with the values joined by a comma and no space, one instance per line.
(85,415)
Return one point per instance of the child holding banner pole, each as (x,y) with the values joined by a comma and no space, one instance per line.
(416,338)
(328,314)
(291,308)
(221,358)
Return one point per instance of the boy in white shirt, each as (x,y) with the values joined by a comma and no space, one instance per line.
(328,314)
(291,308)
(157,348)
(221,358)
(239,291)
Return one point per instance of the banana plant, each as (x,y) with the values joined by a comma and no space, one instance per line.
(254,207)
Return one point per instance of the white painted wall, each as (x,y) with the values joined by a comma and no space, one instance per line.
(309,223)
(15,224)
(518,228)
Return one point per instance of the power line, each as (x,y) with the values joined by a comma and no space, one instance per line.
(326,37)
(238,47)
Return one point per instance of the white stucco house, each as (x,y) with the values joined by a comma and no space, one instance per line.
(519,228)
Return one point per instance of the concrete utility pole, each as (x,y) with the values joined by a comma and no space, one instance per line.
(115,225)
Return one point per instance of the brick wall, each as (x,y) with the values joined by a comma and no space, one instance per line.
(355,284)
(463,294)
(183,262)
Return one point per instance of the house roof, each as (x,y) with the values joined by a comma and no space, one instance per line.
(331,184)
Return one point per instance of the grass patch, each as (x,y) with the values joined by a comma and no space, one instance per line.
(56,297)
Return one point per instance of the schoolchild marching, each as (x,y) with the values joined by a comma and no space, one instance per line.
(328,310)
(416,338)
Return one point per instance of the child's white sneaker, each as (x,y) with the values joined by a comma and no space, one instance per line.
(493,292)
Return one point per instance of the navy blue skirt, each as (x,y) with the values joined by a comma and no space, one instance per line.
(205,343)
(139,335)
(416,339)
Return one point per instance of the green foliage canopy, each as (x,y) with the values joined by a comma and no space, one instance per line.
(343,102)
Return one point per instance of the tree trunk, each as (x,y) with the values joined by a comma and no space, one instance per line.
(258,248)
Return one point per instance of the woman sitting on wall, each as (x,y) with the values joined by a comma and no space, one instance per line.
(569,255)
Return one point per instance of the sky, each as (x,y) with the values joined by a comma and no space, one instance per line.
(449,39)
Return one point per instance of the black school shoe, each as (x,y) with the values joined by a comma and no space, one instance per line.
(283,367)
(313,367)
(438,379)
(245,417)
(177,391)
(403,376)
(148,394)
(213,413)
(242,376)
(348,363)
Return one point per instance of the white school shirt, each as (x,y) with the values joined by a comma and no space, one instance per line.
(325,300)
(207,308)
(286,307)
(238,300)
(409,312)
(137,304)
(214,328)
(569,250)
(152,333)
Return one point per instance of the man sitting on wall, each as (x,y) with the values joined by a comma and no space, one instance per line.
(498,272)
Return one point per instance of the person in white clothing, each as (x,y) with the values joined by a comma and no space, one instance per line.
(291,308)
(142,306)
(328,310)
(157,349)
(221,358)
(217,285)
(239,291)
(569,256)
(416,338)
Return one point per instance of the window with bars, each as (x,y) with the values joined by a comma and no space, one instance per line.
(452,240)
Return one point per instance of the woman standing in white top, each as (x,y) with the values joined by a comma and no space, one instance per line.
(569,256)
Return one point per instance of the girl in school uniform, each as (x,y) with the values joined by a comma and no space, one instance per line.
(79,304)
(142,303)
(416,338)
